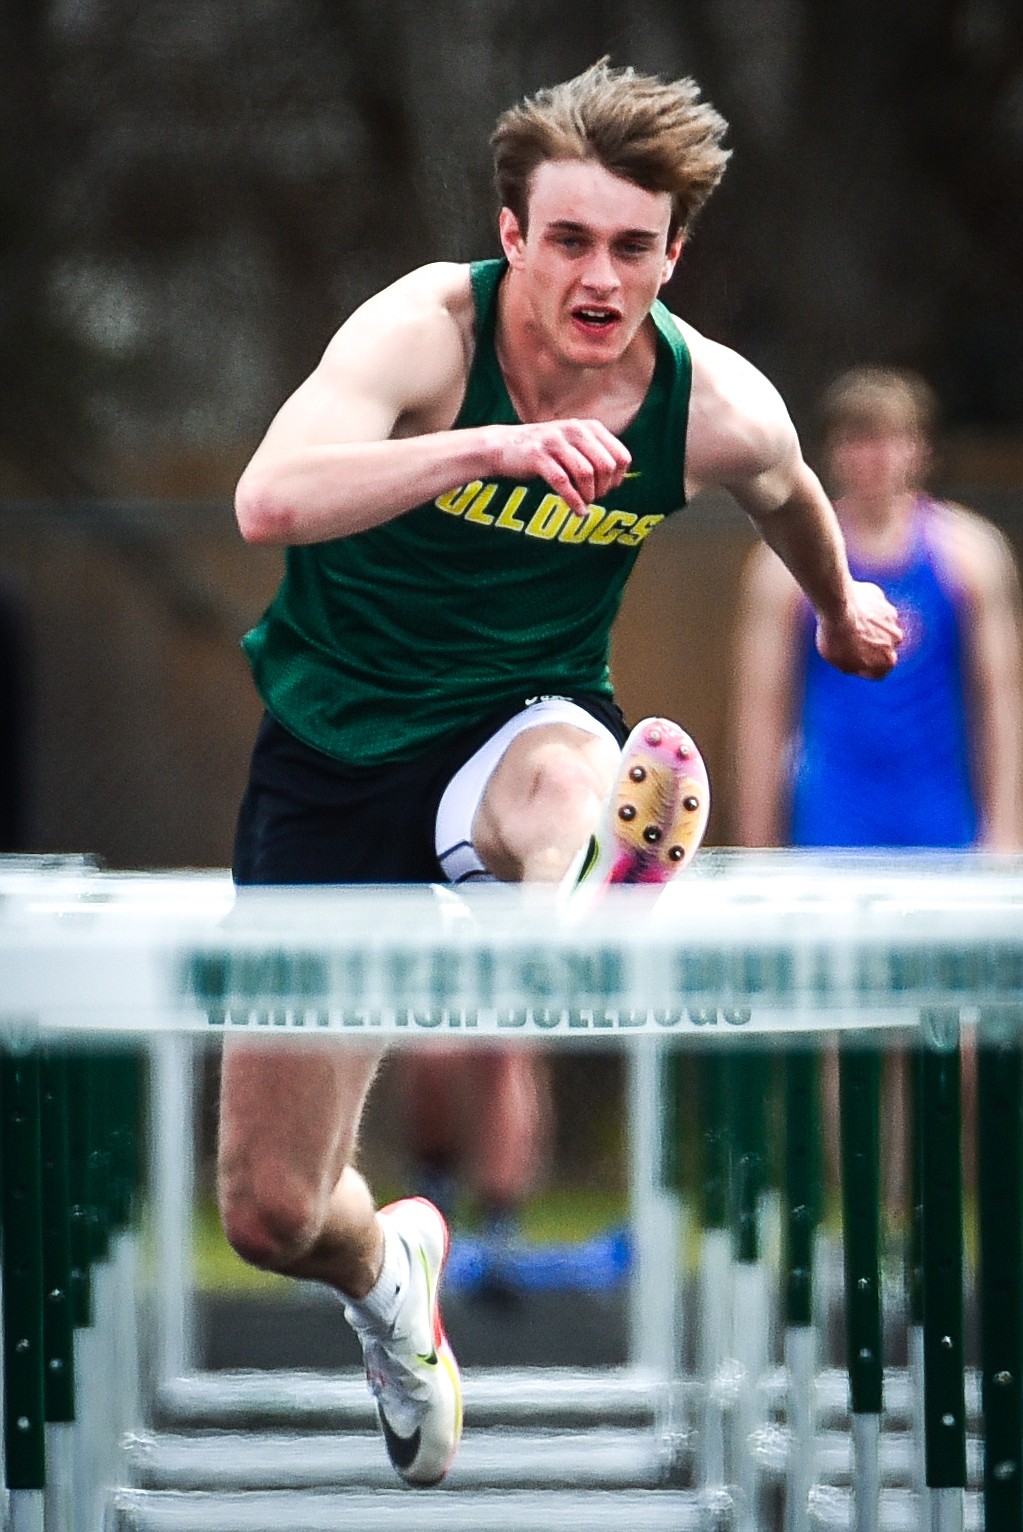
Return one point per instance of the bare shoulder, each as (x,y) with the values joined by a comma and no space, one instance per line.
(977,553)
(423,324)
(398,366)
(739,427)
(439,294)
(409,345)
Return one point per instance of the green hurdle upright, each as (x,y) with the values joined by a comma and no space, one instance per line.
(859,1067)
(801,1212)
(58,1307)
(715,1274)
(103,1128)
(84,1238)
(22,1230)
(58,1313)
(749,1085)
(914,1267)
(942,1201)
(126,1088)
(1000,1205)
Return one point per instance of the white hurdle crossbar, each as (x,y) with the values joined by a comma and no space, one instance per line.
(768,947)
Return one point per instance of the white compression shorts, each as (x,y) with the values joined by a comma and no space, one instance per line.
(453,836)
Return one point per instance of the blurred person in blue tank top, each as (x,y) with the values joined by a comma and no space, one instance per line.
(933,756)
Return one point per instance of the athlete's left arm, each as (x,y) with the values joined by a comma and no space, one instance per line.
(993,636)
(741,437)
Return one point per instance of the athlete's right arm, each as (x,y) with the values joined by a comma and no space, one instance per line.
(368,435)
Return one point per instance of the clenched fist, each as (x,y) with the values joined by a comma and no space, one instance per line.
(865,639)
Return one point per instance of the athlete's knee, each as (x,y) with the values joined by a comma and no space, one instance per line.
(562,777)
(540,806)
(270,1219)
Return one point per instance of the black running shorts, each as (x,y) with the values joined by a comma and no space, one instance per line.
(308,818)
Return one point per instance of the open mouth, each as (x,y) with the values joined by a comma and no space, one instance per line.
(595,318)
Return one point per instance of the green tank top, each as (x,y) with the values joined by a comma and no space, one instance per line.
(377,644)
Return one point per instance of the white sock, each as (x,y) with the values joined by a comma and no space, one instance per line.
(379,1308)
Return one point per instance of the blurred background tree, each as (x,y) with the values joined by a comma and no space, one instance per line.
(194,195)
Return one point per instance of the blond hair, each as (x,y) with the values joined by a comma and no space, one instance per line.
(659,135)
(868,399)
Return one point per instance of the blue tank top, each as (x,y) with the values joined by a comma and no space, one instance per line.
(887,763)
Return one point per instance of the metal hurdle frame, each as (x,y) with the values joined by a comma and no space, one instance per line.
(712,1426)
(70,1141)
(72,1155)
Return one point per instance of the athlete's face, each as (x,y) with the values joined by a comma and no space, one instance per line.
(876,463)
(592,259)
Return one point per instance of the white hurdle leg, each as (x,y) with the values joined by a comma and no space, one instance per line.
(749,1348)
(173,1155)
(800,1370)
(59,1494)
(866,1437)
(655,1219)
(946,1510)
(25,1510)
(915,1344)
(715,1366)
